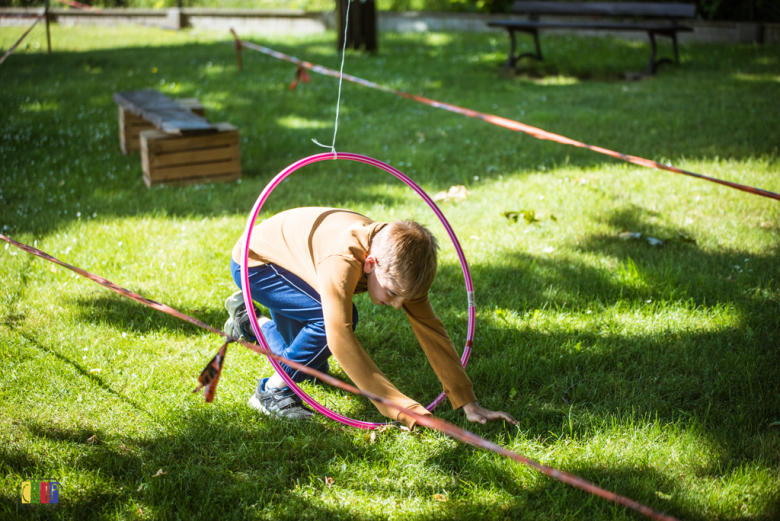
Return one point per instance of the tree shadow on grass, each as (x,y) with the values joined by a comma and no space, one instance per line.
(124,314)
(530,499)
(715,373)
(217,466)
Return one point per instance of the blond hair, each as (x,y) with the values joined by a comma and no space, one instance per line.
(406,254)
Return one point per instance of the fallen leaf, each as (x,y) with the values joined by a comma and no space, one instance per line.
(159,473)
(655,242)
(440,497)
(123,447)
(625,235)
(528,215)
(455,193)
(548,249)
(97,370)
(329,481)
(92,439)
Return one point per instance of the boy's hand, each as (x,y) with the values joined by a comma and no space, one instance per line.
(477,413)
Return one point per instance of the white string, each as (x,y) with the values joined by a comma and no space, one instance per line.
(341,75)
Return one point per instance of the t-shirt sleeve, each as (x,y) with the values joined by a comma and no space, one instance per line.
(440,350)
(337,277)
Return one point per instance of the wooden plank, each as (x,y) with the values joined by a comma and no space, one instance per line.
(191,171)
(528,24)
(160,142)
(163,112)
(606,9)
(132,119)
(193,105)
(130,125)
(170,159)
(122,139)
(162,146)
(199,155)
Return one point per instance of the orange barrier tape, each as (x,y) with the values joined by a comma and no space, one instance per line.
(210,375)
(503,122)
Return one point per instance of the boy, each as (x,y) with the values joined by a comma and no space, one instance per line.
(305,265)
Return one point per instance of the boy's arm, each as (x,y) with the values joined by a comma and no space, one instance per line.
(444,359)
(337,278)
(440,350)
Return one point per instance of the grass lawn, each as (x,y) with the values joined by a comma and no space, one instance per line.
(672,350)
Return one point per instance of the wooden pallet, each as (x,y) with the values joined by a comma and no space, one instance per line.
(130,125)
(188,159)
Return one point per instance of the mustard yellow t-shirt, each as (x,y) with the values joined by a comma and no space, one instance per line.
(327,247)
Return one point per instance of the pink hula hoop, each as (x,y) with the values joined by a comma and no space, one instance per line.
(248,294)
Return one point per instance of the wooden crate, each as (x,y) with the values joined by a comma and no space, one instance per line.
(130,125)
(189,159)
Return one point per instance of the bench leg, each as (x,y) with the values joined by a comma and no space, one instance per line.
(512,59)
(652,67)
(538,47)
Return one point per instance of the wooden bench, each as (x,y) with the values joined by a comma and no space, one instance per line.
(182,147)
(131,126)
(654,19)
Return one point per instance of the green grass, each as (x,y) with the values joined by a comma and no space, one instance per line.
(674,348)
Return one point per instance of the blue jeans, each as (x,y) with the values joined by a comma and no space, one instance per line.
(297,328)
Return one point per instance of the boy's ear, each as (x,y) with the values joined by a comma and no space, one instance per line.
(370,264)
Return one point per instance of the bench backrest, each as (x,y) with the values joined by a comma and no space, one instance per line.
(606,9)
